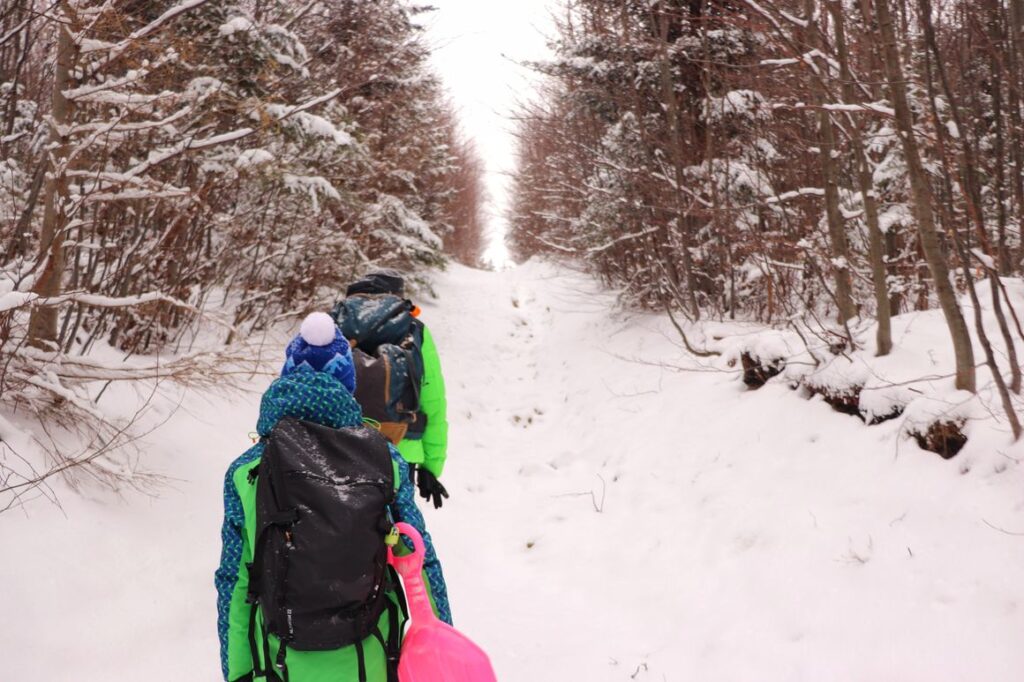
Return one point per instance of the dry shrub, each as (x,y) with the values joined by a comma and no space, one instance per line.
(757,372)
(845,400)
(945,437)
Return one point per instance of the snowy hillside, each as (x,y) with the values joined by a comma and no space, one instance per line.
(610,519)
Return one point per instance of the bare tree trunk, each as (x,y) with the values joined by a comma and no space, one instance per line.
(986,345)
(923,208)
(1016,8)
(678,162)
(876,246)
(42,329)
(827,155)
(998,76)
(979,323)
(19,244)
(972,196)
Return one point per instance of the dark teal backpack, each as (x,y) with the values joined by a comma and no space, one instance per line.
(386,343)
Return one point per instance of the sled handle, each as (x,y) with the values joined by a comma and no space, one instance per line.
(410,567)
(411,564)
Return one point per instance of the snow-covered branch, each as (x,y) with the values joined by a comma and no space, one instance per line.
(12,300)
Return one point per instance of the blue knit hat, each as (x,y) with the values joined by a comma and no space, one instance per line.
(320,346)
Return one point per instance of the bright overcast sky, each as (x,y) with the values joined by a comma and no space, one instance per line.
(477,46)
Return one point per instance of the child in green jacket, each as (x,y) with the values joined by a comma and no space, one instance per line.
(315,385)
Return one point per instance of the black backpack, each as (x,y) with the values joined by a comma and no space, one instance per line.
(319,576)
(387,343)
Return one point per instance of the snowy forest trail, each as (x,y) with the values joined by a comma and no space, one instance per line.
(615,520)
(610,519)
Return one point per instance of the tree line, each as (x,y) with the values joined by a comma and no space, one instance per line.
(816,162)
(177,168)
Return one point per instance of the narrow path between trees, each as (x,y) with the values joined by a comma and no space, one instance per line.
(610,519)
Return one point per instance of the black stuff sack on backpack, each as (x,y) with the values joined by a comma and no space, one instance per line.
(387,340)
(319,574)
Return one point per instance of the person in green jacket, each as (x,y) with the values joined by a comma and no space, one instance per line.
(315,385)
(425,446)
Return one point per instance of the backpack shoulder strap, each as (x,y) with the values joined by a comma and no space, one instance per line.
(393,645)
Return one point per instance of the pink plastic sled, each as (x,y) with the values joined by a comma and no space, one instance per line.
(433,651)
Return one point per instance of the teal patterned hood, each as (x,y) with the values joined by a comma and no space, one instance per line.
(309,395)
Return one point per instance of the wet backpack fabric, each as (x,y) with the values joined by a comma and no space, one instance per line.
(387,345)
(319,575)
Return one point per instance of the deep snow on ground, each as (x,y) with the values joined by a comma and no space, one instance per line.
(610,519)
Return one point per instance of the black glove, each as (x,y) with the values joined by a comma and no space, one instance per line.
(430,487)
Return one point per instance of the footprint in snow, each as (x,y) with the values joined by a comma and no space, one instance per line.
(526,421)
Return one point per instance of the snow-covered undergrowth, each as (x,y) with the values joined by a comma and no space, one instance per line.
(618,511)
(912,385)
(79,416)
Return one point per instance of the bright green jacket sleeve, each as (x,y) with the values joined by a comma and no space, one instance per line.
(434,404)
